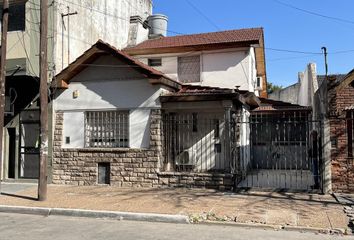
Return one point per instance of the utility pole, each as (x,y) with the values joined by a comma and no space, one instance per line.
(324,49)
(4,27)
(43,95)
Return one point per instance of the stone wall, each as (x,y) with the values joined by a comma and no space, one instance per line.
(198,180)
(342,164)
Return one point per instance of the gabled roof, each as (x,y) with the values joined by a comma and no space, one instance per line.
(240,37)
(101,48)
(348,79)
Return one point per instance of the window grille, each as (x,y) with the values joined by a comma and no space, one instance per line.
(107,129)
(189,69)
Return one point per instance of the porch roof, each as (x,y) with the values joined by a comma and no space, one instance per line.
(193,93)
(269,105)
(101,48)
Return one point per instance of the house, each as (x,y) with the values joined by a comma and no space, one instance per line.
(226,59)
(68,36)
(336,99)
(119,121)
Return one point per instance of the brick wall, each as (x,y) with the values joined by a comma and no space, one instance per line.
(342,166)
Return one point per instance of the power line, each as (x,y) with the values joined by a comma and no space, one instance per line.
(179,33)
(202,14)
(314,13)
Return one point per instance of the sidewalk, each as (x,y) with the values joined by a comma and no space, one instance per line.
(285,209)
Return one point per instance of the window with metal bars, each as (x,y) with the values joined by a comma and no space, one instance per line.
(107,129)
(189,69)
(350,133)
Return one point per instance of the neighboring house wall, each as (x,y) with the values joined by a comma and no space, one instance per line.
(108,20)
(221,68)
(303,91)
(289,94)
(340,98)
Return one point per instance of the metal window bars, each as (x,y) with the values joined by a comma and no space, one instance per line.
(107,129)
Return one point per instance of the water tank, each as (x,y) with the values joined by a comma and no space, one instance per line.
(158,25)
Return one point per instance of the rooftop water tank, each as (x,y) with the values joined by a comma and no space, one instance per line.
(158,25)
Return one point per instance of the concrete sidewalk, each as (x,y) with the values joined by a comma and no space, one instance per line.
(285,209)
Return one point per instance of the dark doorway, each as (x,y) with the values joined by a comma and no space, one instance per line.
(103,173)
(12,152)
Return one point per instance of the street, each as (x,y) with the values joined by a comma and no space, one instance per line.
(19,226)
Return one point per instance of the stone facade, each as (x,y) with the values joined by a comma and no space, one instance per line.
(128,167)
(342,164)
(202,180)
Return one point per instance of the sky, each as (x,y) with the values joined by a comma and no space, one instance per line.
(285,28)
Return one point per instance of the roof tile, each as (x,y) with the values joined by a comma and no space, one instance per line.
(231,36)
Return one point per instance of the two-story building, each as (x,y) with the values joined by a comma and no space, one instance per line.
(73,27)
(227,59)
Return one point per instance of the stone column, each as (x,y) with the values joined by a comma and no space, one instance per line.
(227,118)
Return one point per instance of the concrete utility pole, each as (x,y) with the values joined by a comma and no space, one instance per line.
(43,94)
(4,27)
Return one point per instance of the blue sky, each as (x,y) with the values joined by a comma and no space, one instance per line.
(284,27)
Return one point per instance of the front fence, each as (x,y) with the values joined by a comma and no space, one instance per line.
(285,152)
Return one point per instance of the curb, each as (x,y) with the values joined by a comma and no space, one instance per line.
(152,217)
(149,217)
(278,227)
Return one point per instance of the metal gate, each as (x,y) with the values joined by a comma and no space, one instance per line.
(284,152)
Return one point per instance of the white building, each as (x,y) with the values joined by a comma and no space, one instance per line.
(228,59)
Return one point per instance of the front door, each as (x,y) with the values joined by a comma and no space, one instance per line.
(29,144)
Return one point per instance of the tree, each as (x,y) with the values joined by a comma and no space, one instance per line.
(273,87)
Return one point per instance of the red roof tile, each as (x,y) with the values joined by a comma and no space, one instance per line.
(231,36)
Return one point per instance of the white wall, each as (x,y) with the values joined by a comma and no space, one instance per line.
(105,19)
(105,90)
(224,68)
(307,85)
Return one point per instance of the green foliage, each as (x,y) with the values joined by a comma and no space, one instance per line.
(272,87)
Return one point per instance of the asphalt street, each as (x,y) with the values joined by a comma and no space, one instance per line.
(20,226)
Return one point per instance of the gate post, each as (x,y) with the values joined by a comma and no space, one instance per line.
(326,157)
(227,117)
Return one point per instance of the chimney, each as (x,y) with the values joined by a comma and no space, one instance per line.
(158,25)
(138,31)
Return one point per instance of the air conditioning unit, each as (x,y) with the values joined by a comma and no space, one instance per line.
(185,158)
(259,83)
